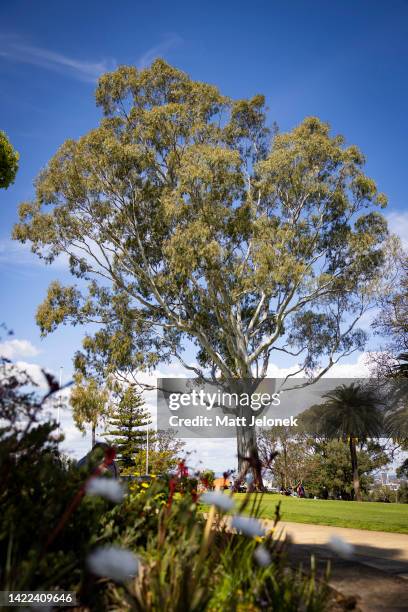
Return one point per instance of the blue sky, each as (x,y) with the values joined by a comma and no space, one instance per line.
(344,61)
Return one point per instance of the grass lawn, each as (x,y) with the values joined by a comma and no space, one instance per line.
(374,516)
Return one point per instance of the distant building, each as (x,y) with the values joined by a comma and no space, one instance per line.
(388,479)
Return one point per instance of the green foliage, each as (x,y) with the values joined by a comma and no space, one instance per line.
(189,221)
(290,456)
(402,470)
(402,493)
(207,478)
(243,589)
(382,494)
(37,487)
(329,473)
(8,162)
(126,427)
(164,453)
(323,465)
(89,401)
(389,495)
(350,412)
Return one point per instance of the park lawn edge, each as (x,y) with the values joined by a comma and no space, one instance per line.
(369,516)
(391,518)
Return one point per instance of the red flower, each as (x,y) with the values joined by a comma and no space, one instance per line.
(182,469)
(172,488)
(110,455)
(205,482)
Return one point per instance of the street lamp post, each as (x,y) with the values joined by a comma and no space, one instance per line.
(59,401)
(147,448)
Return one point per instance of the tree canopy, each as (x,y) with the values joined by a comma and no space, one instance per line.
(89,403)
(8,162)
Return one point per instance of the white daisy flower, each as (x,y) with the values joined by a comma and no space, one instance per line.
(262,556)
(217,499)
(341,547)
(248,526)
(113,562)
(107,488)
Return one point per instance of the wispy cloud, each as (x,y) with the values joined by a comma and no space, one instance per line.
(11,349)
(13,253)
(398,224)
(167,44)
(13,48)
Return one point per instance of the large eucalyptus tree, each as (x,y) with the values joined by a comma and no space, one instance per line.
(189,223)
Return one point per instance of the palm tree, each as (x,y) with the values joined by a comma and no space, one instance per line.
(397,416)
(351,413)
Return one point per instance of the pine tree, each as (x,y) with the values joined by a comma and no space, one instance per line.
(126,427)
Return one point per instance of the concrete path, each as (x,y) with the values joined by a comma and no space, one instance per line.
(374,577)
(382,546)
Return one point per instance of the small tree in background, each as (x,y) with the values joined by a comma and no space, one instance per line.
(164,452)
(207,478)
(284,455)
(126,427)
(89,403)
(330,473)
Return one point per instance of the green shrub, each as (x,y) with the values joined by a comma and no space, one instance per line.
(383,494)
(402,493)
(37,488)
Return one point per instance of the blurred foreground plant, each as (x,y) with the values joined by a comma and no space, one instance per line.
(191,561)
(46,527)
